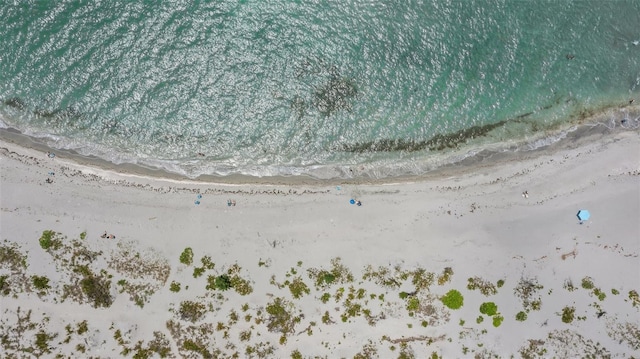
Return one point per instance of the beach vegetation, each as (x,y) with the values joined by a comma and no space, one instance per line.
(424,323)
(201,349)
(599,294)
(500,283)
(568,285)
(445,276)
(487,288)
(338,273)
(42,342)
(521,316)
(191,311)
(614,291)
(221,282)
(198,272)
(296,354)
(298,288)
(207,263)
(635,299)
(280,317)
(326,318)
(413,304)
(11,257)
(480,319)
(325,297)
(568,314)
(528,291)
(404,295)
(453,299)
(497,320)
(587,283)
(82,327)
(5,287)
(186,257)
(83,235)
(50,240)
(488,308)
(422,279)
(383,276)
(40,282)
(174,286)
(97,288)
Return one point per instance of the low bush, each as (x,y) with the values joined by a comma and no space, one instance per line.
(489,308)
(521,316)
(453,299)
(187,256)
(568,314)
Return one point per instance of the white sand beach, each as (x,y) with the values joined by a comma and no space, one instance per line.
(309,275)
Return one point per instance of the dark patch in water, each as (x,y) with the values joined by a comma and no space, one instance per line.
(335,95)
(15,102)
(436,143)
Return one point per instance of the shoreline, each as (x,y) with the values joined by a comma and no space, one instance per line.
(591,125)
(467,223)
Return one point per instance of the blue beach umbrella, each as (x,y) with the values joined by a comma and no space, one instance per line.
(583,214)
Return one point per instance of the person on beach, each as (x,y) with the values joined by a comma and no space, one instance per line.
(104,235)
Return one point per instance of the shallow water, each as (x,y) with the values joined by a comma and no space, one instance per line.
(286,88)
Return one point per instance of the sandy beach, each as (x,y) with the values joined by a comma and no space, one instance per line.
(489,260)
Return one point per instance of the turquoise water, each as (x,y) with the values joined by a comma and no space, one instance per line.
(309,87)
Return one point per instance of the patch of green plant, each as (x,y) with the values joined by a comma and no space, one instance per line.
(635,299)
(298,288)
(528,291)
(5,287)
(191,345)
(404,295)
(568,314)
(445,277)
(497,320)
(587,283)
(83,235)
(97,289)
(12,258)
(50,240)
(198,271)
(221,282)
(424,323)
(614,291)
(500,283)
(326,318)
(453,299)
(487,288)
(82,327)
(174,287)
(186,257)
(338,273)
(521,316)
(296,355)
(42,341)
(600,294)
(489,308)
(280,317)
(480,319)
(191,311)
(41,283)
(325,297)
(413,304)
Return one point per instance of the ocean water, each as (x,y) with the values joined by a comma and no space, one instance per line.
(319,88)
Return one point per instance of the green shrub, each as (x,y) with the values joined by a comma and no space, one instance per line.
(500,283)
(296,354)
(187,256)
(191,311)
(4,285)
(97,290)
(568,314)
(488,308)
(280,319)
(298,288)
(614,291)
(480,319)
(41,283)
(82,327)
(404,295)
(521,316)
(325,297)
(497,320)
(453,299)
(174,286)
(600,294)
(222,282)
(413,304)
(50,239)
(587,283)
(197,272)
(83,235)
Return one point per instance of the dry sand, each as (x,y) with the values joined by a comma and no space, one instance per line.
(474,222)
